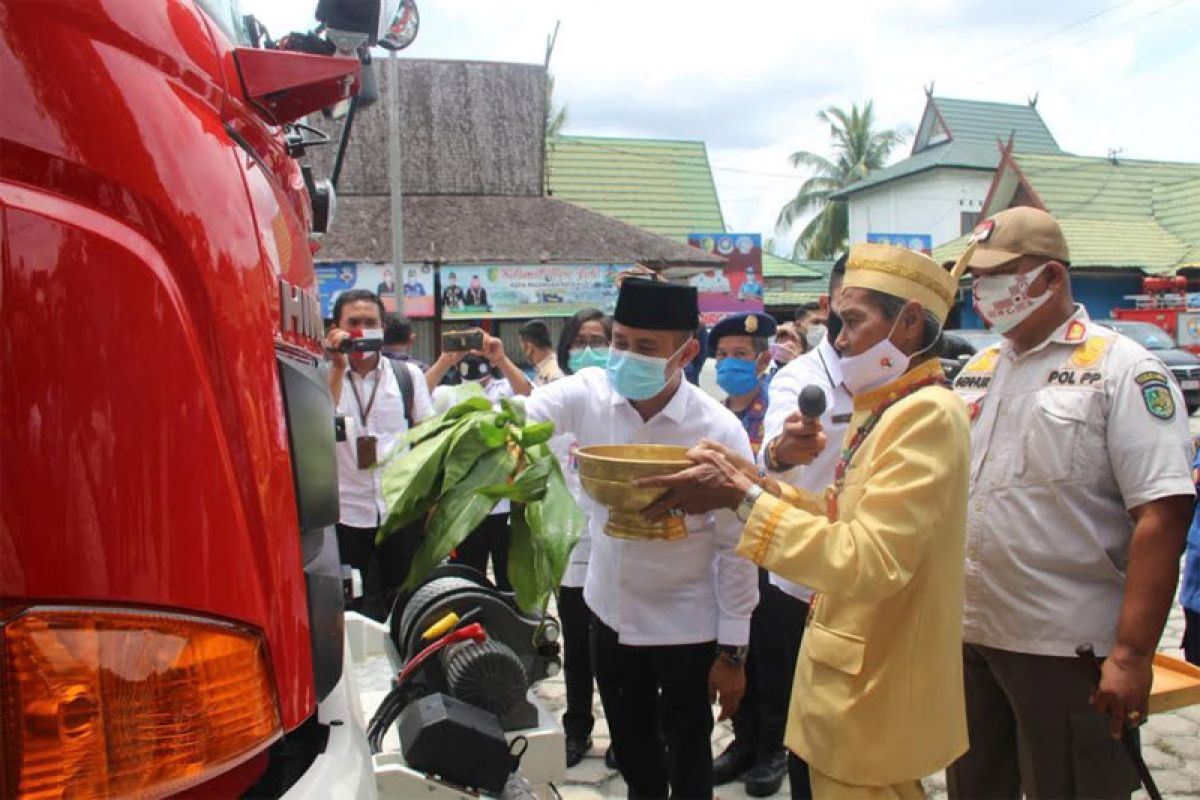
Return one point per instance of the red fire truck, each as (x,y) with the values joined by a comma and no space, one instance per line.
(170,592)
(1166,302)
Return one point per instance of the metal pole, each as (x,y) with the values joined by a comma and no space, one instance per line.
(394,178)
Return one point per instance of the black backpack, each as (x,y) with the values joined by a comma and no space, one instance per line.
(404,379)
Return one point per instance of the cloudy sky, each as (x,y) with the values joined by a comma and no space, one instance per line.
(749,76)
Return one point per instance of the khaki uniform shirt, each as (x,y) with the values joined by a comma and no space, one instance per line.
(877,697)
(547,371)
(1065,439)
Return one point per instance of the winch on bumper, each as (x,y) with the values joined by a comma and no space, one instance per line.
(493,678)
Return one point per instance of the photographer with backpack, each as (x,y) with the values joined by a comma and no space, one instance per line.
(379,398)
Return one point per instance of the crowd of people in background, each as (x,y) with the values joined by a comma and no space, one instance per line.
(915,540)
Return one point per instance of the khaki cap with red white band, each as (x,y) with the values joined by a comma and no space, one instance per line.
(1016,232)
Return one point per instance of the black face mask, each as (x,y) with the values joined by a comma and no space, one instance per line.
(834,326)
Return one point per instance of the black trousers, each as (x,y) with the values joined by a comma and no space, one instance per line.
(576,622)
(776,629)
(490,538)
(383,568)
(656,702)
(1191,635)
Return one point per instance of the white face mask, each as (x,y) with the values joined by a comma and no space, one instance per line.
(878,365)
(1004,300)
(815,334)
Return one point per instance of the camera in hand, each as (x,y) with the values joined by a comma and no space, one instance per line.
(368,340)
(462,341)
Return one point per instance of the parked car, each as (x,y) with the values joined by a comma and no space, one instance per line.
(977,338)
(1184,366)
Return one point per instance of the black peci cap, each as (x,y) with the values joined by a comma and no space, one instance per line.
(657,306)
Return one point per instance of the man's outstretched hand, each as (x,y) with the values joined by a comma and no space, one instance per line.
(714,482)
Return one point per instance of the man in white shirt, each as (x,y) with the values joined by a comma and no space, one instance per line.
(1080,498)
(367,393)
(804,455)
(671,618)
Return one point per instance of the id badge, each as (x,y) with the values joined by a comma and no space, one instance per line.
(365,447)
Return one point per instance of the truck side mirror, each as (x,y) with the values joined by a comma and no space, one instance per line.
(404,27)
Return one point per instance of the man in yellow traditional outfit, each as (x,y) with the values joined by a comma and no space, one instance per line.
(877,701)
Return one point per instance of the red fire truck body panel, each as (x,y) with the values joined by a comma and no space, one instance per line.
(146,458)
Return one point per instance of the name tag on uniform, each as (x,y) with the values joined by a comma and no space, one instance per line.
(841,419)
(365,450)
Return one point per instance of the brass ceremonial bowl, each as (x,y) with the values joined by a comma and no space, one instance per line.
(606,473)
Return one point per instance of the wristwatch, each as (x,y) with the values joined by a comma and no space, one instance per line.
(746,507)
(735,655)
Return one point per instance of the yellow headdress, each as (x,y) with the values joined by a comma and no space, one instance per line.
(906,274)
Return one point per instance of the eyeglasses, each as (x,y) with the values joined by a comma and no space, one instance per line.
(595,342)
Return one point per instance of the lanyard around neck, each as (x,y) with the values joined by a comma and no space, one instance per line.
(364,412)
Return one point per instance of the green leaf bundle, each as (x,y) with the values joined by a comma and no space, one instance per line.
(458,466)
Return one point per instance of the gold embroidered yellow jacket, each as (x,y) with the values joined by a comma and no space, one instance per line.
(878,691)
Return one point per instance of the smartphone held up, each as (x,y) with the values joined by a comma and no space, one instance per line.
(462,341)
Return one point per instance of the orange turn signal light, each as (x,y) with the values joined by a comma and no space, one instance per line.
(103,702)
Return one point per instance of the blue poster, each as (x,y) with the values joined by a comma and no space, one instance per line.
(416,282)
(921,242)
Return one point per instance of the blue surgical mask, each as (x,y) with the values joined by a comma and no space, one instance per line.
(638,377)
(737,375)
(584,357)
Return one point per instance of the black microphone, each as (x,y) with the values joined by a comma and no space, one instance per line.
(812,401)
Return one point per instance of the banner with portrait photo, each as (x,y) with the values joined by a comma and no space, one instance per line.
(919,242)
(520,291)
(738,287)
(335,277)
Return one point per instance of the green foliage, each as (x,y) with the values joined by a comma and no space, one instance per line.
(537,433)
(528,567)
(544,531)
(459,511)
(858,149)
(556,521)
(409,481)
(458,467)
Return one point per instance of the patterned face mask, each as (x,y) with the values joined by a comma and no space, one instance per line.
(1004,300)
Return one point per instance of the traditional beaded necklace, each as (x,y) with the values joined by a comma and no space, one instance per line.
(864,430)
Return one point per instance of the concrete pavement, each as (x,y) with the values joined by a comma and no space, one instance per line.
(1170,745)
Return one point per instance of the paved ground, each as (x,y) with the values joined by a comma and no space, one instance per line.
(1170,744)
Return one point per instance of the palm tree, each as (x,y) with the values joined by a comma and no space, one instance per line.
(556,116)
(857,149)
